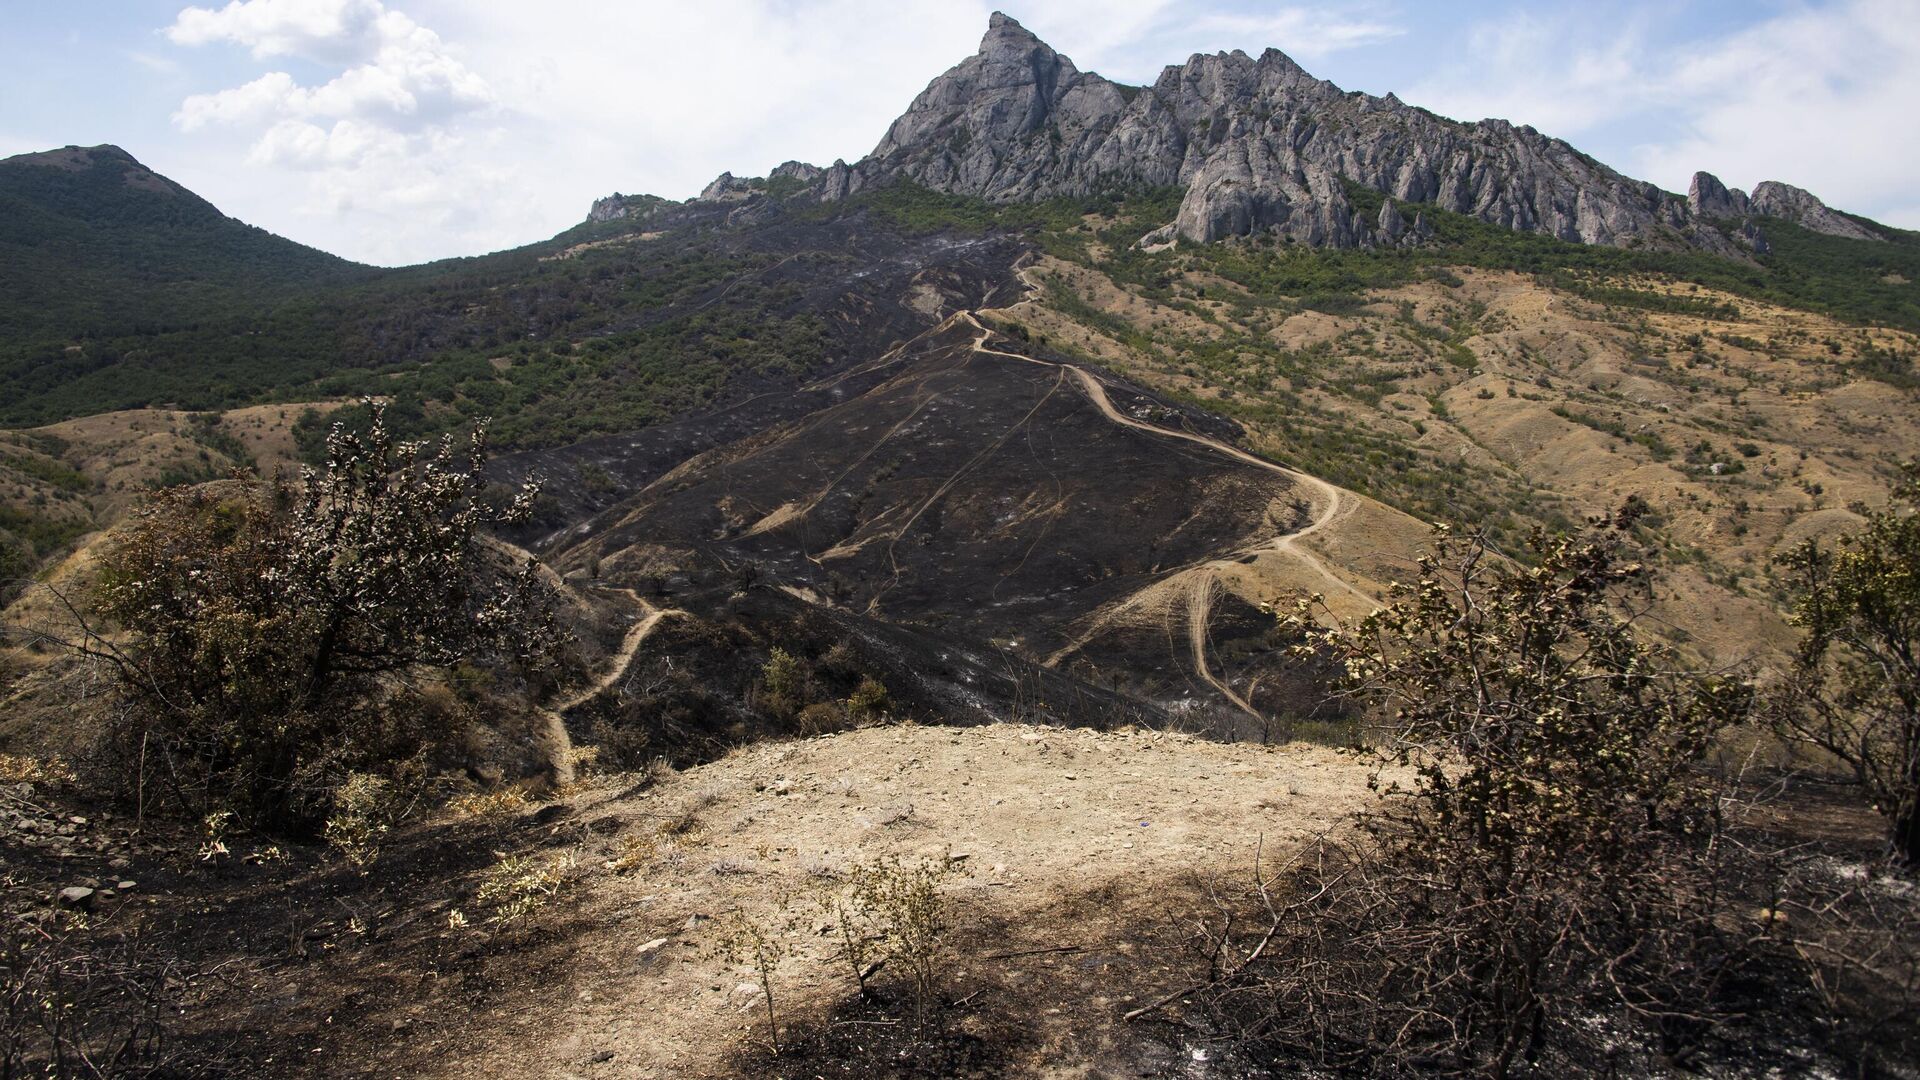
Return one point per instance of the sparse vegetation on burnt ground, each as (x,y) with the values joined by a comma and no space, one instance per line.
(1563,881)
(267,639)
(1566,883)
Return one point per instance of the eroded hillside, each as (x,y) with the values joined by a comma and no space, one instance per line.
(1502,401)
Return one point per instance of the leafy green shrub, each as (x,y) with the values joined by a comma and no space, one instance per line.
(783,682)
(1855,691)
(362,811)
(869,699)
(519,885)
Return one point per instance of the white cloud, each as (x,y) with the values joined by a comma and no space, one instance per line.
(1822,101)
(254,102)
(376,146)
(1819,98)
(1533,69)
(405,76)
(324,30)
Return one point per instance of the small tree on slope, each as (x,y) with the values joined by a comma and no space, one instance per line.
(265,624)
(1855,689)
(1541,856)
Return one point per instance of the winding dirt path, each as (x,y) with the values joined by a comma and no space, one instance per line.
(1332,500)
(561,762)
(1332,503)
(1199,611)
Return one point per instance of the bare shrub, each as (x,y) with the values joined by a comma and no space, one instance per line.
(77,1003)
(894,913)
(820,718)
(1540,874)
(762,941)
(1855,928)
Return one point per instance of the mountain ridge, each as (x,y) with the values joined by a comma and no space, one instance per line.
(1260,146)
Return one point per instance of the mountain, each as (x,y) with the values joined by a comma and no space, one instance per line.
(92,242)
(1027,423)
(947,402)
(1260,146)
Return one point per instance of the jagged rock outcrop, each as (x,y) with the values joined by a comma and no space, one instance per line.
(1709,198)
(796,170)
(615,207)
(1775,199)
(1392,225)
(1261,146)
(726,186)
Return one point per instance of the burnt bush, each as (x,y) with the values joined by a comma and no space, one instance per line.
(1544,880)
(268,633)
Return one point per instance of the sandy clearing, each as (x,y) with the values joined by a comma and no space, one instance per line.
(1044,816)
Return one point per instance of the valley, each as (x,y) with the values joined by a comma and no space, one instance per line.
(991,559)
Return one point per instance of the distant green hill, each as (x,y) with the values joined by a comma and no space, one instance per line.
(121,289)
(92,243)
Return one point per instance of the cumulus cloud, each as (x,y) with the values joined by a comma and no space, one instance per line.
(1820,98)
(401,74)
(1563,74)
(1823,101)
(325,30)
(378,141)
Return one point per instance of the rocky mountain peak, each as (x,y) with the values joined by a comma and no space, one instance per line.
(1775,199)
(1260,146)
(1708,197)
(1006,37)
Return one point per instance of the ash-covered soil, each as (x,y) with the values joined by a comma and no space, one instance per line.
(969,503)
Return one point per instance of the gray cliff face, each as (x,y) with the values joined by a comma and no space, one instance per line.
(1262,147)
(1259,145)
(1775,199)
(617,206)
(1707,197)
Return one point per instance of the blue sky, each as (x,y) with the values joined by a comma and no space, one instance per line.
(395,131)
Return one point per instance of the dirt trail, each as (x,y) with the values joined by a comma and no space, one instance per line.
(1333,505)
(637,633)
(1332,500)
(1199,610)
(561,748)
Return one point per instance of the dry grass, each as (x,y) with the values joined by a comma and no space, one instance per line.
(1798,434)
